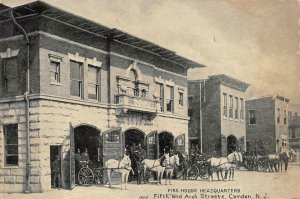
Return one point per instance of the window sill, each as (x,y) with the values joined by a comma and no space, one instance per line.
(181,107)
(55,83)
(225,118)
(10,167)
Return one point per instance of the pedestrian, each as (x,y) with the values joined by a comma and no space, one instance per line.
(55,169)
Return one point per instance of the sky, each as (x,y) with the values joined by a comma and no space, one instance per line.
(256,41)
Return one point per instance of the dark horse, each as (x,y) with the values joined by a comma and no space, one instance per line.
(183,167)
(137,158)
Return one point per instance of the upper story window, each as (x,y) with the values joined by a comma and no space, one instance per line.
(144,93)
(54,69)
(242,109)
(93,80)
(180,98)
(252,117)
(10,75)
(54,72)
(133,85)
(230,106)
(76,78)
(170,98)
(11,145)
(225,104)
(236,111)
(161,96)
(285,118)
(278,115)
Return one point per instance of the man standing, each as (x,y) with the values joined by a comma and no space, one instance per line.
(55,170)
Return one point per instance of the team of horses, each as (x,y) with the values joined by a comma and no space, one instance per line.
(269,162)
(167,164)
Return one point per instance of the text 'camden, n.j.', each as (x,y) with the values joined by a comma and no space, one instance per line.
(205,194)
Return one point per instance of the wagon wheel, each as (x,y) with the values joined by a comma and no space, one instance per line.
(193,173)
(204,172)
(100,176)
(85,176)
(104,177)
(179,173)
(263,166)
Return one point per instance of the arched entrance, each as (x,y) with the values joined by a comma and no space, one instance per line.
(231,144)
(133,138)
(166,141)
(87,138)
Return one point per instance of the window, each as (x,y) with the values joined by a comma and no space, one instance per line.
(292,133)
(285,116)
(151,139)
(11,145)
(252,119)
(230,106)
(180,141)
(225,104)
(54,72)
(93,79)
(133,77)
(113,137)
(242,109)
(278,115)
(143,93)
(161,96)
(76,78)
(10,75)
(180,98)
(169,98)
(236,112)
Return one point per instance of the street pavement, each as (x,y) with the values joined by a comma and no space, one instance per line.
(247,184)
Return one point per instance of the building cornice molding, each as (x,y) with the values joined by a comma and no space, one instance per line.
(230,82)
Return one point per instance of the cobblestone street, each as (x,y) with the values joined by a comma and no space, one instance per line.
(246,185)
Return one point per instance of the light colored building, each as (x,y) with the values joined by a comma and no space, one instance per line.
(267,124)
(69,84)
(217,112)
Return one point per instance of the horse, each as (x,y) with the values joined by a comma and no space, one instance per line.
(174,162)
(123,167)
(157,165)
(137,166)
(273,161)
(284,158)
(227,164)
(184,165)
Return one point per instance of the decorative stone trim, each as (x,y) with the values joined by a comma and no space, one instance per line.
(94,62)
(76,57)
(55,58)
(134,66)
(9,53)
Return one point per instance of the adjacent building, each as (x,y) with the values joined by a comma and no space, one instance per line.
(217,114)
(294,134)
(267,124)
(70,84)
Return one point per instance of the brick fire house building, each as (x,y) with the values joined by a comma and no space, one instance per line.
(68,83)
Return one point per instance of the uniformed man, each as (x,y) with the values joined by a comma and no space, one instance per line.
(55,170)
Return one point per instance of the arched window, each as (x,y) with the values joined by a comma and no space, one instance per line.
(133,75)
(133,85)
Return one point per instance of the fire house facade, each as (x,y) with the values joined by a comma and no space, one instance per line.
(87,87)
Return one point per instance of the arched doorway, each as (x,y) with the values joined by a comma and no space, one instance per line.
(231,144)
(87,138)
(133,138)
(165,141)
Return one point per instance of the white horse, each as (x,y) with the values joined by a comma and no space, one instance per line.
(227,164)
(174,162)
(123,167)
(157,166)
